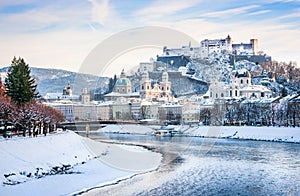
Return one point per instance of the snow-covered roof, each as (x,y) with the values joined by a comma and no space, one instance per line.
(116,94)
(242,73)
(255,88)
(53,96)
(191,112)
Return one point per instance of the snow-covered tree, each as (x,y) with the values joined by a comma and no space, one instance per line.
(19,84)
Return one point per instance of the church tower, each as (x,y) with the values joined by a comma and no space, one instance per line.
(68,90)
(85,96)
(165,85)
(145,86)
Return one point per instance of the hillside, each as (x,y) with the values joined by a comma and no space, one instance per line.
(54,80)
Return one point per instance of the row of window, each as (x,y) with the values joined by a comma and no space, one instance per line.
(262,94)
(148,88)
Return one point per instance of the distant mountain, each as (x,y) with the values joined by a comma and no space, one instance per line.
(54,80)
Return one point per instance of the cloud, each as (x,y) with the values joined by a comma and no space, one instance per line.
(100,11)
(103,15)
(43,18)
(295,14)
(4,3)
(162,8)
(259,12)
(65,49)
(230,12)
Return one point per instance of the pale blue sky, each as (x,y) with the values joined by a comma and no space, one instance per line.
(60,34)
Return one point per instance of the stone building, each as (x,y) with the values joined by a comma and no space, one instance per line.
(226,45)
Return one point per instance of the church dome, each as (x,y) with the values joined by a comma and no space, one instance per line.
(242,73)
(123,82)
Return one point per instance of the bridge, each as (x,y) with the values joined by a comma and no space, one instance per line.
(92,125)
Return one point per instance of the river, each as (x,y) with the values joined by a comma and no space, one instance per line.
(209,166)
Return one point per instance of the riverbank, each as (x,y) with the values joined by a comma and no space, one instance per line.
(43,165)
(278,134)
(210,166)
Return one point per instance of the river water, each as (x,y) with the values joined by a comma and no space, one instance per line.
(208,166)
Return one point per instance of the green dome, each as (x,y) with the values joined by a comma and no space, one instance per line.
(123,82)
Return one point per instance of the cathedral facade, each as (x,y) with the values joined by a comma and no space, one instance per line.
(156,91)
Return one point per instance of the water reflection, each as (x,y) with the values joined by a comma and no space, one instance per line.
(192,166)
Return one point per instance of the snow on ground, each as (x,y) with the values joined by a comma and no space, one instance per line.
(65,163)
(282,134)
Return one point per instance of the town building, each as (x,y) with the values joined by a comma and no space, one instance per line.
(66,94)
(104,111)
(121,111)
(170,113)
(149,110)
(239,86)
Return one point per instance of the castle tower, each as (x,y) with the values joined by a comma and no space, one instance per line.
(229,43)
(254,43)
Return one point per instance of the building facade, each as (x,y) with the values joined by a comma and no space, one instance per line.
(158,90)
(240,86)
(226,45)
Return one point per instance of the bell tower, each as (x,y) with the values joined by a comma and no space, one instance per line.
(165,85)
(145,86)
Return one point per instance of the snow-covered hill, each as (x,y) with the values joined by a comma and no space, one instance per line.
(54,80)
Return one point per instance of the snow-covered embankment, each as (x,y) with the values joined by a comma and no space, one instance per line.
(65,163)
(278,134)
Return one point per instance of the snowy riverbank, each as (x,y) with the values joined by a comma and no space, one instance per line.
(65,163)
(279,134)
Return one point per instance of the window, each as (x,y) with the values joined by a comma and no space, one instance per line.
(241,81)
(210,94)
(216,95)
(148,87)
(162,88)
(222,94)
(230,93)
(262,94)
(236,93)
(142,87)
(247,81)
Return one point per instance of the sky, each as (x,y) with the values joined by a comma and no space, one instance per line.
(61,34)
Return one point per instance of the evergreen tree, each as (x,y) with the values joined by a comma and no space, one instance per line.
(111,84)
(19,84)
(284,92)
